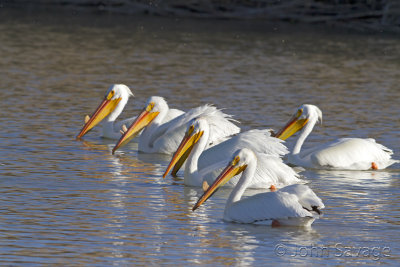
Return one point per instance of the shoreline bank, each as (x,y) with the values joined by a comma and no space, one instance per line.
(364,16)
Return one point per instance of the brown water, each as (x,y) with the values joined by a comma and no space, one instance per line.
(69,202)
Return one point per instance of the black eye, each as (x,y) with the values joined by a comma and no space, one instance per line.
(110,95)
(150,107)
(235,160)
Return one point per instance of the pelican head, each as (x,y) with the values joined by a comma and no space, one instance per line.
(237,165)
(193,134)
(153,107)
(110,103)
(305,114)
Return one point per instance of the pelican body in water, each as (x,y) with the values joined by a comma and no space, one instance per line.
(293,205)
(163,137)
(204,164)
(343,153)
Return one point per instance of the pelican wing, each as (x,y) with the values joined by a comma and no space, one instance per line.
(169,134)
(172,114)
(270,168)
(350,153)
(221,126)
(269,171)
(260,141)
(307,198)
(266,207)
(272,171)
(209,173)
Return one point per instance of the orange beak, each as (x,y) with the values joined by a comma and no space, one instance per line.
(184,149)
(102,111)
(145,117)
(230,171)
(292,126)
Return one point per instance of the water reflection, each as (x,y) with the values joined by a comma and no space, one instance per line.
(375,179)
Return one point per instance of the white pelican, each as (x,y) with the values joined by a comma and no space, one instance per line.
(292,205)
(161,137)
(343,153)
(203,166)
(110,108)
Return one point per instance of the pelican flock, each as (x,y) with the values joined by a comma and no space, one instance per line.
(216,153)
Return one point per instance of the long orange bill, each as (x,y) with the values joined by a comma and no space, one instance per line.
(141,121)
(184,149)
(292,126)
(102,111)
(230,171)
(180,162)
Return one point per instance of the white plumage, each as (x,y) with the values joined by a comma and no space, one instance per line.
(165,137)
(159,136)
(204,165)
(292,205)
(110,126)
(285,208)
(110,108)
(343,153)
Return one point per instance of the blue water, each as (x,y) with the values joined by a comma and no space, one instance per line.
(71,202)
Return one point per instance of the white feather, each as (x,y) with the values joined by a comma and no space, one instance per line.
(204,165)
(110,127)
(259,141)
(160,137)
(343,153)
(266,207)
(290,205)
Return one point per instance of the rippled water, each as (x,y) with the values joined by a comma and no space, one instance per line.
(69,202)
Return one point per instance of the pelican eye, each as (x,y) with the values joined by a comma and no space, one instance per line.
(299,112)
(110,95)
(150,107)
(235,160)
(190,130)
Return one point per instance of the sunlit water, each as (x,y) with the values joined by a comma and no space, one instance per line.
(71,202)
